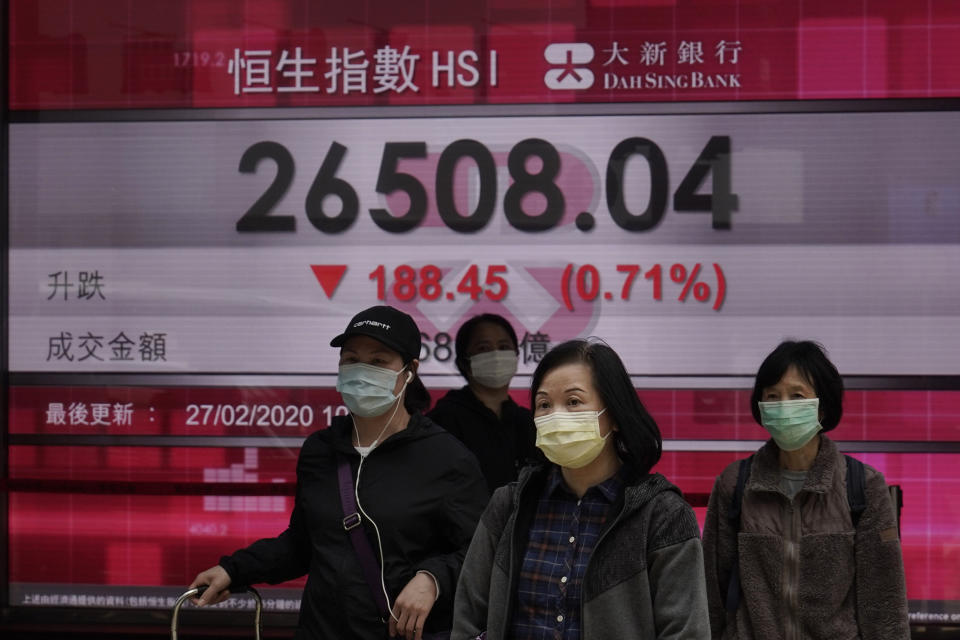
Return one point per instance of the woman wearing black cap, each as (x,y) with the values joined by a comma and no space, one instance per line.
(412,490)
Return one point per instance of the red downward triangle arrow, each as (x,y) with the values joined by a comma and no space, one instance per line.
(329,276)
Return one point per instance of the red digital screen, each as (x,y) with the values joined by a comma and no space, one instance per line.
(200,193)
(210,53)
(116,509)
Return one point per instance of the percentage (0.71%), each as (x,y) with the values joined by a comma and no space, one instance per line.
(584,282)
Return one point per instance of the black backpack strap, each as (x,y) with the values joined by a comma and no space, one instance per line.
(856,489)
(733,517)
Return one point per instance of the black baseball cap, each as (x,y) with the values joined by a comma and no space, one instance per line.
(390,326)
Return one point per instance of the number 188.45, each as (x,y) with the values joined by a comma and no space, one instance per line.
(426,283)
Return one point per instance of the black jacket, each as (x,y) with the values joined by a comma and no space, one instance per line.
(425,492)
(502,445)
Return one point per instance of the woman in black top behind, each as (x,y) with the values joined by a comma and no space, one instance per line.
(481,414)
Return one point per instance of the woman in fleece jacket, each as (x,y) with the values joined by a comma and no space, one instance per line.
(805,569)
(592,545)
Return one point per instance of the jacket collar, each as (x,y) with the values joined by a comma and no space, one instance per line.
(610,488)
(638,490)
(465,397)
(340,433)
(765,473)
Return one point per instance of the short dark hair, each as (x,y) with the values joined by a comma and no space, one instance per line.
(811,362)
(465,333)
(638,439)
(416,397)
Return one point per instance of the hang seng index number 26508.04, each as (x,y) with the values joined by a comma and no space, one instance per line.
(338,213)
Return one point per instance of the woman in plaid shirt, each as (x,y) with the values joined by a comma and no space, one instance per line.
(591,545)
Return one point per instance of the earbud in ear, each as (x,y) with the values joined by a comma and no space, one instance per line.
(409,376)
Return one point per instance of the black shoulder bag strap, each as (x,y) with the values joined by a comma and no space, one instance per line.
(856,489)
(733,516)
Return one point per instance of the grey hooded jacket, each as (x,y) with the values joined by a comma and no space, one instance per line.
(642,581)
(806,573)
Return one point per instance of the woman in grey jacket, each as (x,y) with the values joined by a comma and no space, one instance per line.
(806,560)
(593,545)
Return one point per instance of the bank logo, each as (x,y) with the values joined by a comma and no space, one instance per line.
(567,56)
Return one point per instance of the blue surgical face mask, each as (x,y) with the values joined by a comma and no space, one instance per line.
(791,423)
(367,390)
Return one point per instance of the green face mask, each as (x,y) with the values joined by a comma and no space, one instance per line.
(791,423)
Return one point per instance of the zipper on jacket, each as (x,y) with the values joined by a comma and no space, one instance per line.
(791,573)
(514,544)
(508,614)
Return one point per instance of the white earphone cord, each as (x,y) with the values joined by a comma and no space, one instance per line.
(356,496)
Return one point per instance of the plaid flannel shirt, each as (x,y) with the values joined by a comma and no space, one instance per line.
(563,535)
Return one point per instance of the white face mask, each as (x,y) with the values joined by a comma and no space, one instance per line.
(570,439)
(367,390)
(493,369)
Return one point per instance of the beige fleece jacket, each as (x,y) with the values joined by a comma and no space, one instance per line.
(805,572)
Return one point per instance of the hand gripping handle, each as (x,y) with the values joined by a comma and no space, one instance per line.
(198,591)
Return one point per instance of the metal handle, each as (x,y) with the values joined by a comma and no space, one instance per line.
(196,591)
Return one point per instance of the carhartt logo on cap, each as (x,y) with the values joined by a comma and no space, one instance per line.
(394,328)
(373,323)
